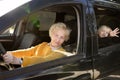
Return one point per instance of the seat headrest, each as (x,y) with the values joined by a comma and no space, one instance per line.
(33,27)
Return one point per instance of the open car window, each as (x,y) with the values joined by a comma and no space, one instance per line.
(44,18)
(112,21)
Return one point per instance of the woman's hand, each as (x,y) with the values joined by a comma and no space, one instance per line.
(9,58)
(114,32)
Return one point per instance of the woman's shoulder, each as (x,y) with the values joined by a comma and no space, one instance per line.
(42,44)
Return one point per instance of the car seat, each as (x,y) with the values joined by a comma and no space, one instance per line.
(29,38)
(70,45)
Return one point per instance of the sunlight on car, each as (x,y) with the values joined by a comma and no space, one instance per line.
(9,31)
(12,5)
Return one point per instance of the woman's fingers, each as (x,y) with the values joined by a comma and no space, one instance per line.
(115,32)
(8,58)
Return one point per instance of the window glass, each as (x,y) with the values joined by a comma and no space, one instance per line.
(9,31)
(45,19)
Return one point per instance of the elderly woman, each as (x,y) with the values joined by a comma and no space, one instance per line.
(42,52)
(105,31)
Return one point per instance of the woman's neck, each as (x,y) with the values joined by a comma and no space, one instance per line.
(54,47)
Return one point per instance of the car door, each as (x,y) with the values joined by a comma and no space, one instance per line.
(79,65)
(107,59)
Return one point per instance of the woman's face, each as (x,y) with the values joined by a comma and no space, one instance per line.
(57,38)
(104,32)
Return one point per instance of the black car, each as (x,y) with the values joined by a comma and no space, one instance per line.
(28,25)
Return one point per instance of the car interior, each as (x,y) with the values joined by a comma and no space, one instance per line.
(34,35)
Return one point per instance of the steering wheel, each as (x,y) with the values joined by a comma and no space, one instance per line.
(2,50)
(3,65)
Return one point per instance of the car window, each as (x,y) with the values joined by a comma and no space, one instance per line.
(40,21)
(9,31)
(112,21)
(44,18)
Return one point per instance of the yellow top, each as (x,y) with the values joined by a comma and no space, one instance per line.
(38,54)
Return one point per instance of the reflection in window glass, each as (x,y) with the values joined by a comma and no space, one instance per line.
(45,18)
(9,31)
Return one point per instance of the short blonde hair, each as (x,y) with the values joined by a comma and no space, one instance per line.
(104,27)
(58,26)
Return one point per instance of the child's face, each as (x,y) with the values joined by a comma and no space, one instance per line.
(104,32)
